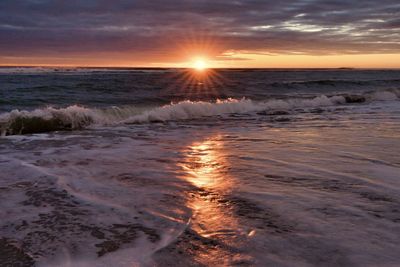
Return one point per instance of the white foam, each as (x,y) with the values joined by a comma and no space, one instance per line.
(76,117)
(191,110)
(72,113)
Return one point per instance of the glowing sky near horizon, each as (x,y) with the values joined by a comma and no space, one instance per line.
(252,33)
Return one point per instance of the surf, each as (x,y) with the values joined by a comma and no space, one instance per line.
(77,117)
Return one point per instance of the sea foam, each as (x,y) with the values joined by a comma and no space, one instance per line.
(78,117)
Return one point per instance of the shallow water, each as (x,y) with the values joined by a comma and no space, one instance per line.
(288,181)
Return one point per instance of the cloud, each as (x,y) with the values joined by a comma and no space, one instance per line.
(160,29)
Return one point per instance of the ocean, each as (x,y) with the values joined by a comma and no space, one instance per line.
(173,167)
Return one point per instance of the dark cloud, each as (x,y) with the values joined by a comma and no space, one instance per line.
(161,28)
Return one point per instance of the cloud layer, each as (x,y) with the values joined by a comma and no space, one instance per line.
(160,29)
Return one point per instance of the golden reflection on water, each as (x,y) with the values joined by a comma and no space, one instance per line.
(192,83)
(206,167)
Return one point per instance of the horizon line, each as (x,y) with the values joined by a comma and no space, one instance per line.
(172,67)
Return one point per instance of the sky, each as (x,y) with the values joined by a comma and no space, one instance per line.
(224,33)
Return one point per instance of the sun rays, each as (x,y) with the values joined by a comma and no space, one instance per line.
(198,76)
(197,83)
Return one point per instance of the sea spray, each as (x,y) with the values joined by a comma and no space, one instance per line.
(77,117)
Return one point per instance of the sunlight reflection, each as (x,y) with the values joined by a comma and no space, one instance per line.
(206,165)
(193,83)
(206,168)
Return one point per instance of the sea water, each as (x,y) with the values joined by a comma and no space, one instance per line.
(172,167)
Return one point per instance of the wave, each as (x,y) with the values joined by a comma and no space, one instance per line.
(191,110)
(52,119)
(77,117)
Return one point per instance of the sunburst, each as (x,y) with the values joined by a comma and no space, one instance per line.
(200,64)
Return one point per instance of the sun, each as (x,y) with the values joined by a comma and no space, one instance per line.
(200,64)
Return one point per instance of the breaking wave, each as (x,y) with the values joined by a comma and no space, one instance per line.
(190,110)
(77,117)
(62,119)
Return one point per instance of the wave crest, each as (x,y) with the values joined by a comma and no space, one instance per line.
(44,120)
(191,110)
(77,117)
